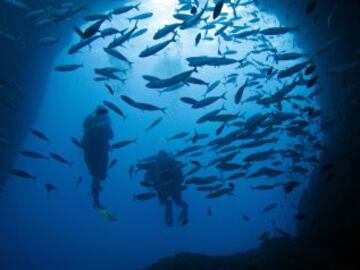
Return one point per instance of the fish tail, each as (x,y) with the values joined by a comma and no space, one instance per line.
(136,25)
(137,6)
(223,96)
(173,39)
(163,110)
(109,17)
(78,31)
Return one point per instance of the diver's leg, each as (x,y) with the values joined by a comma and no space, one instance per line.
(169,220)
(96,192)
(184,214)
(164,200)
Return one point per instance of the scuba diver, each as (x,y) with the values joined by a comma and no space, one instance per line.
(166,176)
(95,143)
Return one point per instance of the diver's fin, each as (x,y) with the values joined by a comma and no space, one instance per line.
(106,214)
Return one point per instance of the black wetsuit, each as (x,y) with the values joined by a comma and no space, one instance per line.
(97,133)
(167,177)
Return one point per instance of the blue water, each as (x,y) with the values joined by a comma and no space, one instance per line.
(61,230)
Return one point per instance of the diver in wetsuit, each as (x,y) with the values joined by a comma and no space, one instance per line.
(167,178)
(97,133)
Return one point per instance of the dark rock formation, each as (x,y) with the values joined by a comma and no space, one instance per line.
(277,254)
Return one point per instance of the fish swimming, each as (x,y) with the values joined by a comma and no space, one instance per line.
(212,86)
(188,150)
(288,56)
(209,188)
(192,171)
(122,144)
(98,17)
(33,154)
(290,186)
(124,9)
(240,92)
(267,172)
(263,187)
(22,174)
(156,48)
(91,30)
(178,136)
(230,166)
(197,81)
(141,106)
(197,136)
(131,172)
(68,68)
(235,176)
(202,180)
(142,16)
(112,163)
(50,187)
(144,196)
(117,55)
(114,108)
(200,61)
(59,158)
(217,10)
(208,116)
(197,39)
(154,124)
(207,101)
(167,29)
(163,83)
(111,31)
(83,43)
(269,207)
(195,19)
(139,33)
(292,70)
(221,192)
(109,88)
(277,30)
(39,135)
(123,38)
(188,100)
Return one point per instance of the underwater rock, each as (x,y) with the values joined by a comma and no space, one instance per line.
(274,254)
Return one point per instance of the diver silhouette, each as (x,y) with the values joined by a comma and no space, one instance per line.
(165,173)
(97,133)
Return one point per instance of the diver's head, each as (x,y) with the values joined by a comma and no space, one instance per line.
(162,155)
(101,110)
